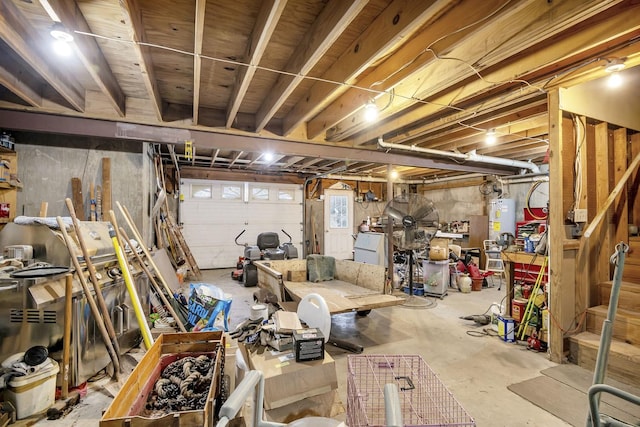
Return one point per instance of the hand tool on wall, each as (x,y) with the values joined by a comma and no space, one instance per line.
(92,303)
(102,305)
(128,280)
(152,279)
(66,337)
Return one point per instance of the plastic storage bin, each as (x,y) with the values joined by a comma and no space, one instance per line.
(436,277)
(33,393)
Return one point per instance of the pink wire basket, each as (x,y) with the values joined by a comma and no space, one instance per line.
(424,399)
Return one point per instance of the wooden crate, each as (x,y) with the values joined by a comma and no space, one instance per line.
(131,399)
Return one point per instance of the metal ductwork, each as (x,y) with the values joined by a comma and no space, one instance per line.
(471,156)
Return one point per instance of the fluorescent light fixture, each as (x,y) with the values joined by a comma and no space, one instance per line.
(370,111)
(490,137)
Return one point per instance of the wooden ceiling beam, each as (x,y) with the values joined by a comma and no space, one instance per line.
(21,37)
(133,18)
(292,161)
(197,58)
(450,137)
(236,157)
(572,44)
(498,112)
(88,51)
(330,24)
(214,156)
(20,83)
(265,25)
(398,21)
(487,49)
(410,59)
(226,175)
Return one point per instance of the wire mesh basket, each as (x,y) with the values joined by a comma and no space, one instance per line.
(424,399)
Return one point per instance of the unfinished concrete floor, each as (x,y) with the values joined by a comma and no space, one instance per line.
(477,370)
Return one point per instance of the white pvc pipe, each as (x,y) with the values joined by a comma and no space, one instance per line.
(469,156)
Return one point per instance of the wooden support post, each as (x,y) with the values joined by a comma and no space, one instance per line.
(44,206)
(603,189)
(621,204)
(77,197)
(106,184)
(561,281)
(635,183)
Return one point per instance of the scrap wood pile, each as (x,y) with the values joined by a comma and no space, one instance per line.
(168,233)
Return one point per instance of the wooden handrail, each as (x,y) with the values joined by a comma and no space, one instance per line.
(607,204)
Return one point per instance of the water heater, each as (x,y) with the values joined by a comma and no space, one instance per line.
(502,217)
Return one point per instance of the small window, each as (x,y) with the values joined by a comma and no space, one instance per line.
(258,193)
(286,194)
(200,191)
(231,192)
(339,212)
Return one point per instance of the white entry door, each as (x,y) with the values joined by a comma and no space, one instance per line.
(338,223)
(213,213)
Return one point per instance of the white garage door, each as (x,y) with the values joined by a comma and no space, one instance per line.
(215,212)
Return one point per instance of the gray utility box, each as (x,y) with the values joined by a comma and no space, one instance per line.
(371,248)
(436,277)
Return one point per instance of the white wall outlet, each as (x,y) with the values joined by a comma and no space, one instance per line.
(580,215)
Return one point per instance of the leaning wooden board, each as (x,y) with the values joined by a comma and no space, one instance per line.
(132,397)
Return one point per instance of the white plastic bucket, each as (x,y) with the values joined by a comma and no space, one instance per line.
(33,393)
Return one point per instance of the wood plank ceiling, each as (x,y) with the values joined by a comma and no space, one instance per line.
(241,78)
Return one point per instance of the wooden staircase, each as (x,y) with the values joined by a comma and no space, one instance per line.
(624,356)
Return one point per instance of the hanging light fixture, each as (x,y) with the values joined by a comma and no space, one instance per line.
(62,39)
(614,66)
(490,137)
(370,111)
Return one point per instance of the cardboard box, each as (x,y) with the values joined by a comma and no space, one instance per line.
(326,405)
(287,381)
(132,397)
(439,249)
(308,344)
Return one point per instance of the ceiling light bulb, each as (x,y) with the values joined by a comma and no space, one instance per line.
(62,48)
(268,156)
(490,137)
(394,174)
(59,32)
(370,111)
(614,65)
(614,80)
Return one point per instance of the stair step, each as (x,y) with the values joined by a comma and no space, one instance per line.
(626,326)
(632,261)
(629,294)
(624,359)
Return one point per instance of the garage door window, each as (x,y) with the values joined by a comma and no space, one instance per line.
(200,191)
(286,194)
(258,193)
(339,217)
(231,192)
